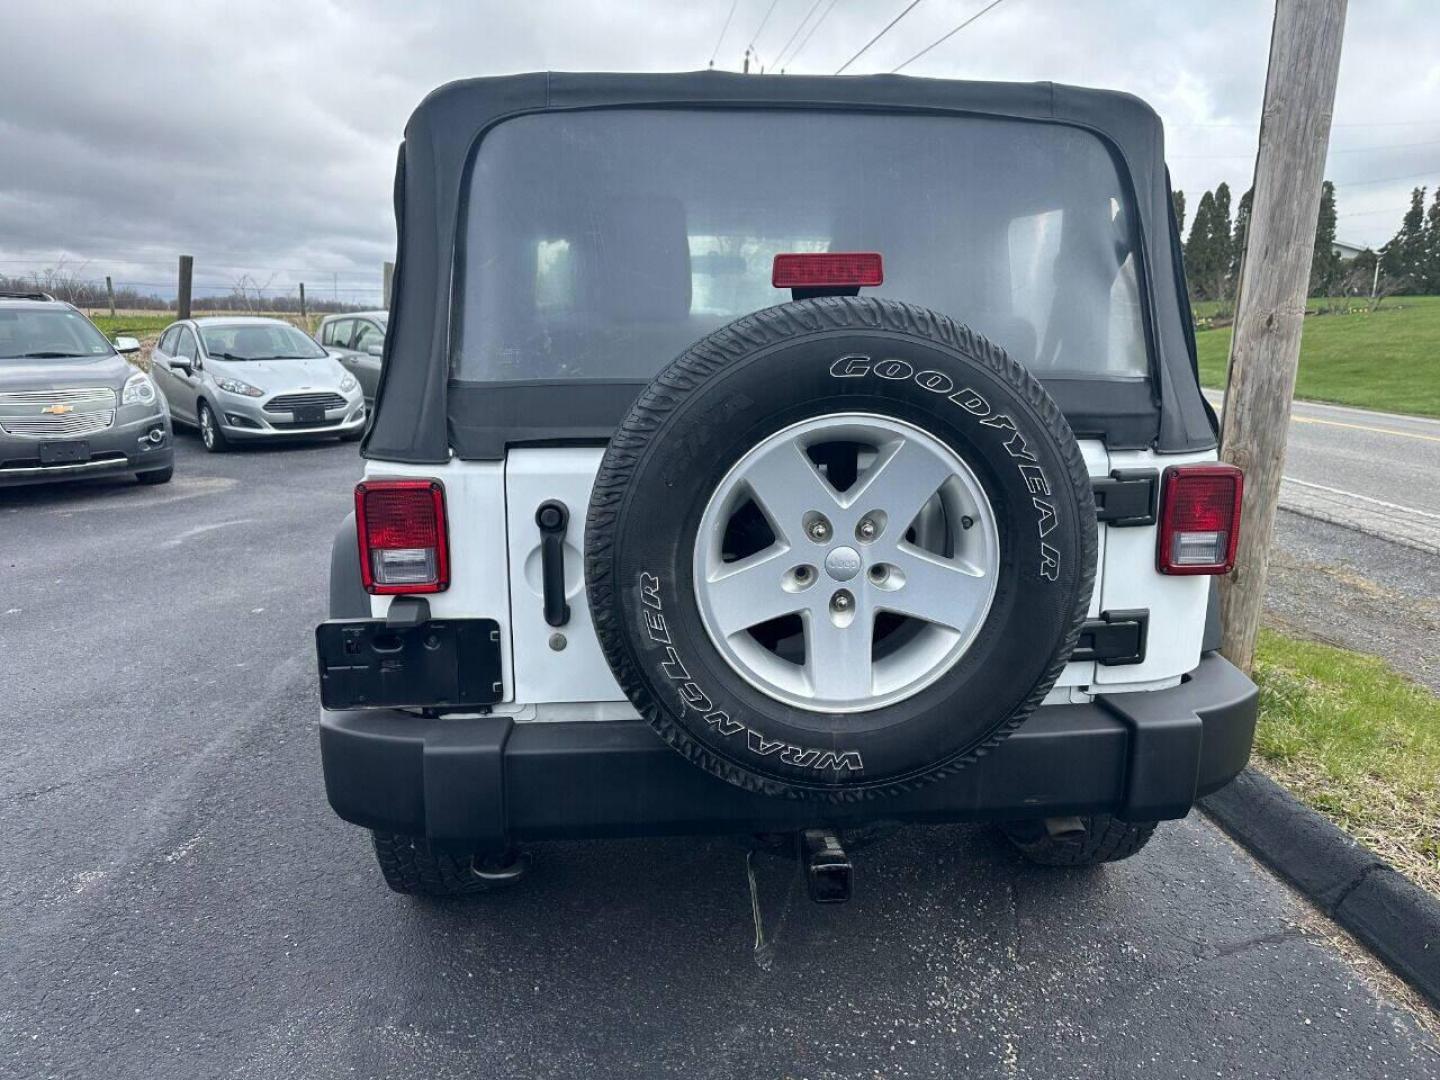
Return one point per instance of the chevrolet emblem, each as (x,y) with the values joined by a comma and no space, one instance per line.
(57,410)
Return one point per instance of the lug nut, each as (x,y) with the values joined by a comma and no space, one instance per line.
(820,529)
(878,573)
(802,574)
(840,601)
(866,530)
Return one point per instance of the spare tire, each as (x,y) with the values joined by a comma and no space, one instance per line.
(840,547)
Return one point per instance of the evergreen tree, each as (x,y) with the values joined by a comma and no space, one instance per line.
(1325,263)
(1241,237)
(1199,263)
(1431,276)
(1220,244)
(1404,255)
(1178,199)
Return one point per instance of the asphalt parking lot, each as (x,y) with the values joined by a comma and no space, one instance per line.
(176,898)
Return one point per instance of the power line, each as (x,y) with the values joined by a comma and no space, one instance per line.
(1332,150)
(909,8)
(716,51)
(761,28)
(946,37)
(811,32)
(780,56)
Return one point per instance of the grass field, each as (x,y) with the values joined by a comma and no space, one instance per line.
(1388,360)
(151,323)
(135,324)
(1356,741)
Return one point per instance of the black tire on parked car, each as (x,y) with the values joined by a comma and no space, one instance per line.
(211,437)
(156,476)
(412,866)
(1104,839)
(817,362)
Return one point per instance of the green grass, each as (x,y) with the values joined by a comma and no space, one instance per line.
(1387,360)
(136,324)
(1358,742)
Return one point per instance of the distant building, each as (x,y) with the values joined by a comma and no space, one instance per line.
(1347,251)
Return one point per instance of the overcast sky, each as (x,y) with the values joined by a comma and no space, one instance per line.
(261,136)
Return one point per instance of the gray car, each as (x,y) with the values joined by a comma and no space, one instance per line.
(358,339)
(250,379)
(71,406)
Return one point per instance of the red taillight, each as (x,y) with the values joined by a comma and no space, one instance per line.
(1199,519)
(827,269)
(401,527)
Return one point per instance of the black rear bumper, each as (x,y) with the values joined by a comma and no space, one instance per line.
(487,783)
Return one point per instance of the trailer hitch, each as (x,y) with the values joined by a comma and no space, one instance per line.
(829,876)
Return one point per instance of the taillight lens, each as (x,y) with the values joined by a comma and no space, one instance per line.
(826,269)
(1199,519)
(401,527)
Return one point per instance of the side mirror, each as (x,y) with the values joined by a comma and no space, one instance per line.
(127,345)
(375,349)
(182,363)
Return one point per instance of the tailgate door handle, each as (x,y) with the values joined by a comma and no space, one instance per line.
(552,517)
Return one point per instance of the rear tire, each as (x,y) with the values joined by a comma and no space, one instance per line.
(411,866)
(1105,839)
(211,437)
(156,476)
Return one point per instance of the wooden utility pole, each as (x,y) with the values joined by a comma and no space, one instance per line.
(302,299)
(387,277)
(110,292)
(187,271)
(1274,279)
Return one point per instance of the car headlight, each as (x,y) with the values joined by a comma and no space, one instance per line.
(348,383)
(236,386)
(139,390)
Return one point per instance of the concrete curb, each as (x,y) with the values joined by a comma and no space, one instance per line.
(1393,917)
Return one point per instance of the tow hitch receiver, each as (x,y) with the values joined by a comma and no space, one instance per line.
(828,873)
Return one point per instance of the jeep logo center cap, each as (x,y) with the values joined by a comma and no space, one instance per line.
(843,563)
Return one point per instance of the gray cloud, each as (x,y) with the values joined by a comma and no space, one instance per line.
(261,137)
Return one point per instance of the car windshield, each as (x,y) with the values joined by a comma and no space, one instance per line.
(259,341)
(601,244)
(51,333)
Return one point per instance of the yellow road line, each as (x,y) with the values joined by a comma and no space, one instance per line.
(1365,427)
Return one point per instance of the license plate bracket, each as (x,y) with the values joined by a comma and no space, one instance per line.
(310,414)
(444,663)
(69,452)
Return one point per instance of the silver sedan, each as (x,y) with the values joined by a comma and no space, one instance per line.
(246,379)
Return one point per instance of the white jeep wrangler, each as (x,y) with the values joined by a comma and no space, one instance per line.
(765,455)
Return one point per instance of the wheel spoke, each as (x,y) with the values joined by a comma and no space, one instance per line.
(900,482)
(787,485)
(942,591)
(746,593)
(838,659)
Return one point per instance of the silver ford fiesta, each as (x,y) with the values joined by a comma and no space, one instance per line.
(245,379)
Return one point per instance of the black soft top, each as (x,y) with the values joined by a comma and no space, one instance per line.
(421,414)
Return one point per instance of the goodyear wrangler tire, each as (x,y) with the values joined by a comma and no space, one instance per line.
(839,548)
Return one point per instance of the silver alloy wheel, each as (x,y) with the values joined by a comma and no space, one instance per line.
(207,427)
(910,541)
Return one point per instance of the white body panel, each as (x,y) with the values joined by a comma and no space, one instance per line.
(495,573)
(577,672)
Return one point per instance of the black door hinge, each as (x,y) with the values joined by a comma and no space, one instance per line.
(1126,497)
(1116,637)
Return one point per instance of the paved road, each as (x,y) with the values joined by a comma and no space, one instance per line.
(1372,472)
(177,900)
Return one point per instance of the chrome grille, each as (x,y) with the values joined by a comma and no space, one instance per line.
(290,402)
(23,412)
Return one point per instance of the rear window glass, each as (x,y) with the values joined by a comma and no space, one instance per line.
(600,244)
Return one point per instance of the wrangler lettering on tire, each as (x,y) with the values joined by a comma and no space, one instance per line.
(839,548)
